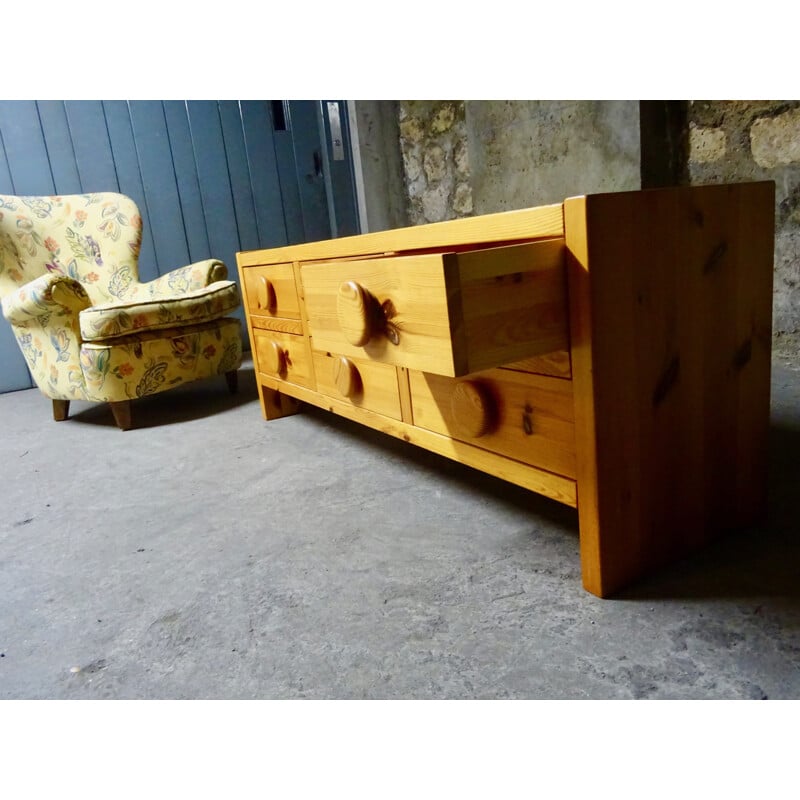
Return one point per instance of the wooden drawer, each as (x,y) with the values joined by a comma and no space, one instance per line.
(271,297)
(366,384)
(525,417)
(281,355)
(446,313)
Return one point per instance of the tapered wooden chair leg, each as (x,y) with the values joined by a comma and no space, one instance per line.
(122,414)
(60,410)
(232,378)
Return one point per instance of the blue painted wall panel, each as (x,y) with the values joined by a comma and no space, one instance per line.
(60,152)
(6,184)
(260,146)
(215,188)
(13,370)
(87,125)
(290,192)
(25,149)
(212,173)
(340,181)
(160,184)
(126,162)
(239,174)
(308,160)
(14,373)
(180,138)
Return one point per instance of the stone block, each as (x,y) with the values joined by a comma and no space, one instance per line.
(434,164)
(706,144)
(775,141)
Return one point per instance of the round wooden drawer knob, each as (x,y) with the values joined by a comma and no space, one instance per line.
(346,377)
(275,358)
(355,310)
(473,409)
(265,295)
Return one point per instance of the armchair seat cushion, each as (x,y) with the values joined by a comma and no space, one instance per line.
(112,320)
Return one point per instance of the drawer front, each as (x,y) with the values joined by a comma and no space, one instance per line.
(525,417)
(270,293)
(445,313)
(285,357)
(366,384)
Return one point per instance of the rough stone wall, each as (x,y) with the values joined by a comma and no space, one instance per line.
(464,157)
(750,141)
(433,142)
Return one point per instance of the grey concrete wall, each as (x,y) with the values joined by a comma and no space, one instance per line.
(378,165)
(532,152)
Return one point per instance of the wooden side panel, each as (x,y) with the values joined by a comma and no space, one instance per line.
(670,307)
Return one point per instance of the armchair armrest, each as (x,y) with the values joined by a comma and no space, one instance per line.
(43,296)
(187,279)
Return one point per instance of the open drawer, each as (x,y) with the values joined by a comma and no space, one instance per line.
(447,313)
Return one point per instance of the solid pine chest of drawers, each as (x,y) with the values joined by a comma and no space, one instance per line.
(611,352)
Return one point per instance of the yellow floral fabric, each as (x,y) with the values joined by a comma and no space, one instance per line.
(88,328)
(135,366)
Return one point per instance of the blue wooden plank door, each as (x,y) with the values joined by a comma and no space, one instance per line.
(129,176)
(210,177)
(26,170)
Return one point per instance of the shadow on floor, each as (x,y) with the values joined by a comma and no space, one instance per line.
(762,561)
(195,400)
(444,470)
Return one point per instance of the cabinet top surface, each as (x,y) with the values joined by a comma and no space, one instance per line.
(541,222)
(532,223)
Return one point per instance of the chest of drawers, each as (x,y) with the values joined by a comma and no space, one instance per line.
(611,352)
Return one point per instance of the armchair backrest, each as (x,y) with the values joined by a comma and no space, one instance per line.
(93,238)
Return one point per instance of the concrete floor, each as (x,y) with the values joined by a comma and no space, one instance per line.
(208,554)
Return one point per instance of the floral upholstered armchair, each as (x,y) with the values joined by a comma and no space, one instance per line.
(88,328)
